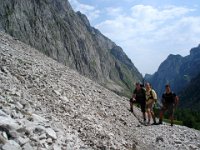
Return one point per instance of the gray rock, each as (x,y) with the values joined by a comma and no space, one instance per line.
(19,106)
(51,133)
(43,136)
(5,135)
(27,146)
(49,141)
(9,122)
(159,138)
(37,118)
(3,113)
(56,147)
(177,142)
(11,145)
(2,139)
(22,141)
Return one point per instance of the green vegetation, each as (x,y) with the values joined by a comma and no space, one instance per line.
(185,117)
(190,118)
(175,121)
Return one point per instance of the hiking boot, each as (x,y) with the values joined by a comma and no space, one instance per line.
(154,123)
(144,122)
(148,123)
(131,110)
(160,122)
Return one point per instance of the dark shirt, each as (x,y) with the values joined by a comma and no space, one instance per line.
(169,98)
(140,95)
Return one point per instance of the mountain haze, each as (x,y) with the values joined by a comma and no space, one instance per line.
(53,27)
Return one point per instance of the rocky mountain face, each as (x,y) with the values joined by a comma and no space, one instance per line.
(46,105)
(190,96)
(52,27)
(176,71)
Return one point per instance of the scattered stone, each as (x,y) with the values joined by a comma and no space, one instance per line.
(38,118)
(177,142)
(159,138)
(57,108)
(43,136)
(56,147)
(2,139)
(22,141)
(51,133)
(5,135)
(49,141)
(11,145)
(27,146)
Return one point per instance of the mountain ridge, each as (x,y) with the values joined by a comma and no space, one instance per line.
(176,71)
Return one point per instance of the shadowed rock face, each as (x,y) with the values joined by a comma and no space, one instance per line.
(46,105)
(55,29)
(190,96)
(176,71)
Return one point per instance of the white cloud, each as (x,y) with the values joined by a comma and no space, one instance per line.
(114,11)
(90,11)
(153,33)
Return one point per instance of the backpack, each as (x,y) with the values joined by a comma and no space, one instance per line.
(151,93)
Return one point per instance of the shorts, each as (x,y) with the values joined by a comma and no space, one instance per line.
(169,107)
(150,104)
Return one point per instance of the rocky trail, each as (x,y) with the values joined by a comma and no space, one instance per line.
(46,105)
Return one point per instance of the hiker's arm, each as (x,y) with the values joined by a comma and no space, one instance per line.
(176,100)
(163,99)
(133,96)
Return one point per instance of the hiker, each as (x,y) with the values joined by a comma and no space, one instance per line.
(169,100)
(139,96)
(151,98)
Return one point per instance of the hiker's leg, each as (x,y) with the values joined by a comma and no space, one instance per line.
(162,113)
(144,116)
(152,114)
(142,104)
(131,105)
(171,111)
(172,120)
(149,115)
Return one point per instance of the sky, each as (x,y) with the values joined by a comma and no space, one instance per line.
(147,30)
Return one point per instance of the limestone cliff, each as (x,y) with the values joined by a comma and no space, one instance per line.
(52,27)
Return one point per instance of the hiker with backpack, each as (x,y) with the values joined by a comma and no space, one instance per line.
(169,101)
(151,98)
(139,96)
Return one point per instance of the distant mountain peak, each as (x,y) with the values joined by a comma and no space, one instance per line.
(173,71)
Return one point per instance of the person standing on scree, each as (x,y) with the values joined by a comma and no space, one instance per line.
(169,100)
(151,98)
(139,96)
